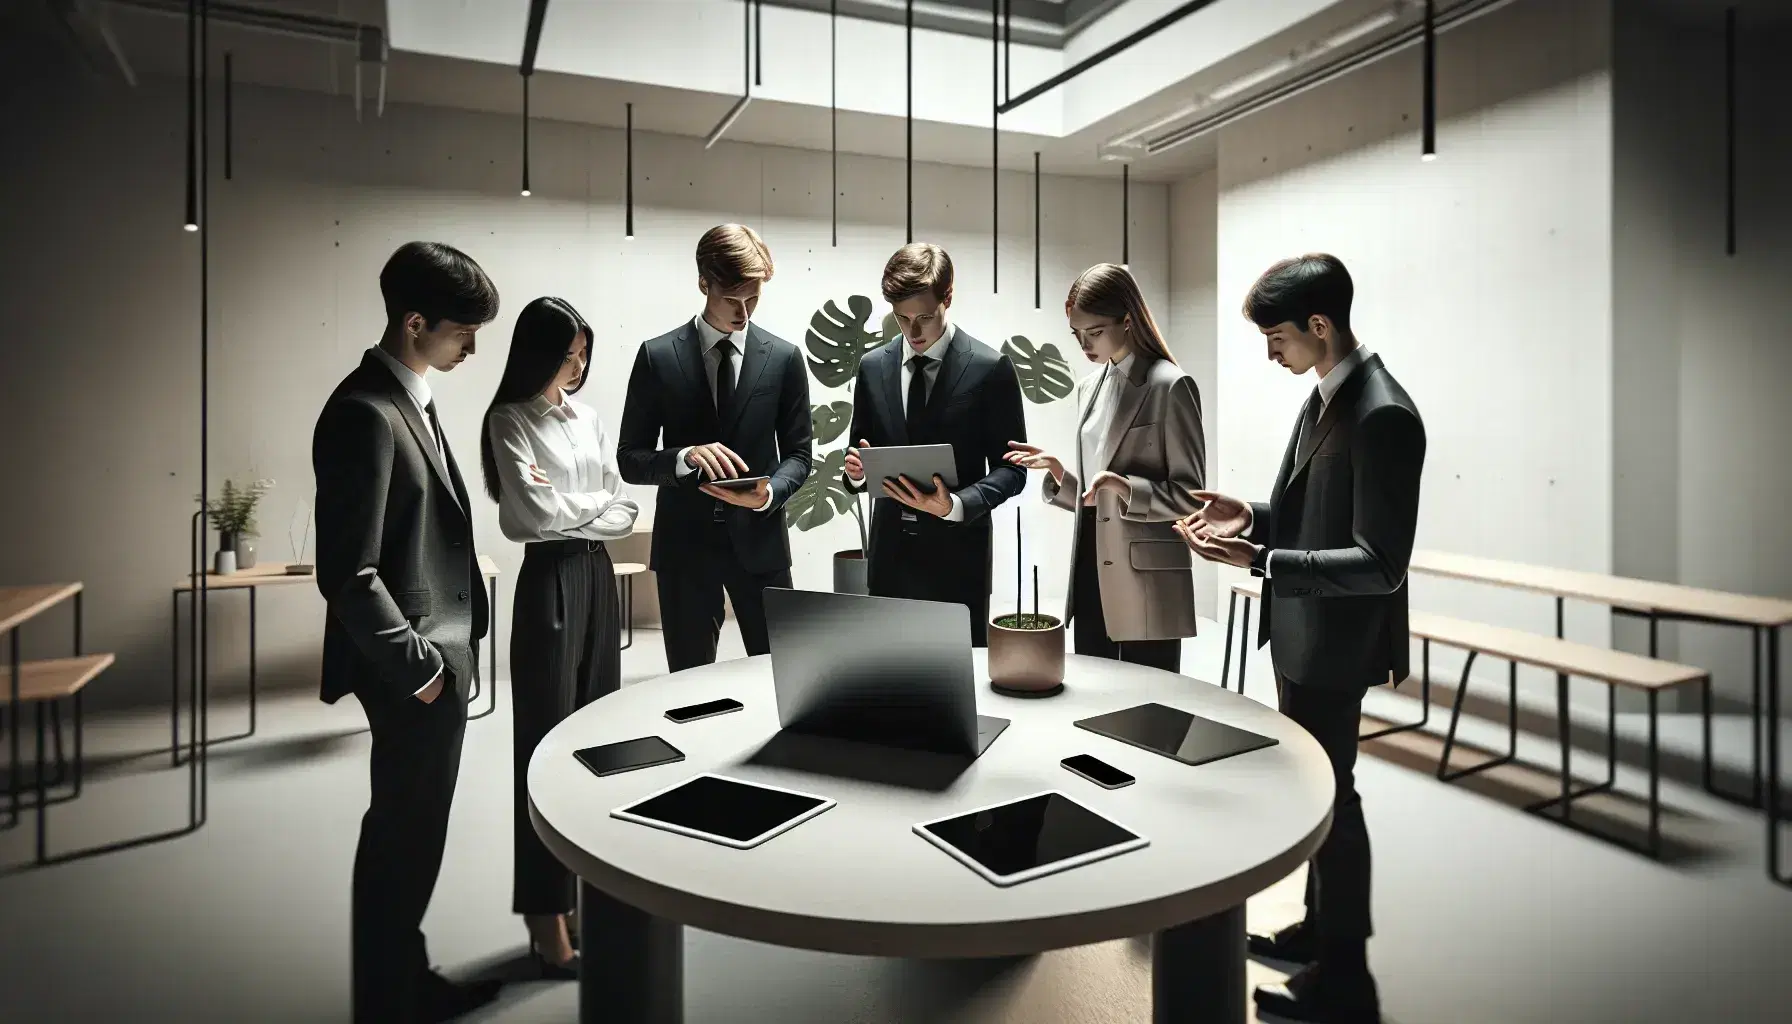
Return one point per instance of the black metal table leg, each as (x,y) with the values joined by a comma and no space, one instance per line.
(174,678)
(1244,642)
(1782,876)
(252,592)
(38,780)
(1564,730)
(1197,971)
(490,685)
(1755,738)
(631,964)
(12,725)
(1226,659)
(1654,779)
(1424,701)
(628,611)
(1444,772)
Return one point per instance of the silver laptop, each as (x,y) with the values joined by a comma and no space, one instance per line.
(877,670)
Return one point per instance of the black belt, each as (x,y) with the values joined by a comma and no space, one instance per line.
(573,546)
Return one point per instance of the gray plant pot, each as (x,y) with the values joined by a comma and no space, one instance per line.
(1027,662)
(850,570)
(245,551)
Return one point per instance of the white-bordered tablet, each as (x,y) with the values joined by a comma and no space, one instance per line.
(1019,840)
(724,810)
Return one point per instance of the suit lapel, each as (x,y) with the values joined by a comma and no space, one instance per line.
(758,350)
(952,369)
(690,362)
(890,382)
(1126,409)
(420,431)
(1344,398)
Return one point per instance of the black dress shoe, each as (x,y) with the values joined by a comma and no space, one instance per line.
(1295,944)
(439,999)
(547,970)
(1315,996)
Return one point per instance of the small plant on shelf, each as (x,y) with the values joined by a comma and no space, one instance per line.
(233,513)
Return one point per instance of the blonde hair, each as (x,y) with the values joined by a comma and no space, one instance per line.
(729,255)
(1108,289)
(918,267)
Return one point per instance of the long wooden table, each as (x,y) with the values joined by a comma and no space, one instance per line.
(275,574)
(1657,602)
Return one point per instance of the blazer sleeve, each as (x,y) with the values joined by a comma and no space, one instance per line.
(796,432)
(352,454)
(1185,456)
(639,456)
(1387,457)
(1004,419)
(1263,524)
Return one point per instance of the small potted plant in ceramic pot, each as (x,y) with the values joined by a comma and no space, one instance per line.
(233,516)
(1026,649)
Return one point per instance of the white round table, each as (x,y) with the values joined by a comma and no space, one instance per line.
(856,879)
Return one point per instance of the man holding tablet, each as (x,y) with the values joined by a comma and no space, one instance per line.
(936,385)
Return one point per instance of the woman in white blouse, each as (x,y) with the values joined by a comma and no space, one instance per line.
(551,468)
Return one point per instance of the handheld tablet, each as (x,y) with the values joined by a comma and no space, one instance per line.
(1027,838)
(1176,734)
(739,483)
(723,810)
(918,462)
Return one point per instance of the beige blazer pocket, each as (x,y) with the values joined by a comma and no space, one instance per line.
(1147,555)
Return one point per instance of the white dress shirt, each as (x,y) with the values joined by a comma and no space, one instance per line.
(1099,422)
(582,499)
(936,356)
(418,390)
(1328,387)
(712,365)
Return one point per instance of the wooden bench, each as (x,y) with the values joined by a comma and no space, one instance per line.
(41,685)
(1567,660)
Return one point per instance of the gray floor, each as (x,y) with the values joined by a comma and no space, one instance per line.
(1484,914)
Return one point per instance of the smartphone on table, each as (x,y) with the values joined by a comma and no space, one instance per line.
(1097,771)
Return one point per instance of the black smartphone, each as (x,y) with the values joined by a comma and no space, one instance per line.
(626,756)
(1097,771)
(707,709)
(740,483)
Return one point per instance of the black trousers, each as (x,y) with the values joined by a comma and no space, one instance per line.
(691,609)
(415,762)
(915,571)
(1089,627)
(565,652)
(1338,878)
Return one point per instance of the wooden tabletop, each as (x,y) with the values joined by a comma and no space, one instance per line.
(54,678)
(273,574)
(1635,595)
(17,604)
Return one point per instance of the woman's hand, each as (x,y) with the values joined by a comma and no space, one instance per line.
(1106,480)
(1028,456)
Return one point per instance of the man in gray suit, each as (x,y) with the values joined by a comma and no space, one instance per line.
(395,563)
(1332,545)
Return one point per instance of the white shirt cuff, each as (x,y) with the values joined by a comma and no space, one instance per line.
(957,513)
(1269,565)
(684,467)
(769,498)
(432,681)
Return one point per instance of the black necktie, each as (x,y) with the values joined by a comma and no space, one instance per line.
(435,427)
(724,374)
(917,389)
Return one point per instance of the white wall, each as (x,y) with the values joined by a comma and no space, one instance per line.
(99,374)
(1193,331)
(1483,280)
(697,44)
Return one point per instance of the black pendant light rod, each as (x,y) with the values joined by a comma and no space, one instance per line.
(538,16)
(1125,215)
(628,227)
(746,90)
(229,146)
(526,135)
(758,40)
(192,221)
(834,116)
(995,143)
(1007,51)
(1112,49)
(1730,131)
(202,728)
(1429,149)
(1035,229)
(908,78)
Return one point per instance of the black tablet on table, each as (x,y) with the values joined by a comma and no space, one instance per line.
(723,810)
(1165,730)
(1024,839)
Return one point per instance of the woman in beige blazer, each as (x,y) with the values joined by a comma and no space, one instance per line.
(1140,451)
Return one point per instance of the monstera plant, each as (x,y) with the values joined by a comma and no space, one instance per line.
(1044,375)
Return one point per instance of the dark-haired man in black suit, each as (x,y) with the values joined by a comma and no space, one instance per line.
(1332,544)
(717,398)
(396,566)
(936,385)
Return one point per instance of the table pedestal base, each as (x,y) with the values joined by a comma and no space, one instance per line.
(631,964)
(1197,971)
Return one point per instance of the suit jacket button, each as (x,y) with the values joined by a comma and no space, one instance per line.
(1107,563)
(463,595)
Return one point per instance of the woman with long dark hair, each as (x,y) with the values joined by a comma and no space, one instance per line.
(551,468)
(1140,452)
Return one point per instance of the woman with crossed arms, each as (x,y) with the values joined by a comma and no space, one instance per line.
(1140,452)
(551,468)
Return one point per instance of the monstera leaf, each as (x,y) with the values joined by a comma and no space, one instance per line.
(830,420)
(823,496)
(1044,375)
(837,340)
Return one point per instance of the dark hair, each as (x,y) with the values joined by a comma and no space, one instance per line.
(1109,289)
(916,268)
(438,282)
(544,329)
(1295,290)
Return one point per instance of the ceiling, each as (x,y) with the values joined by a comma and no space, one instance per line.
(1049,23)
(110,35)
